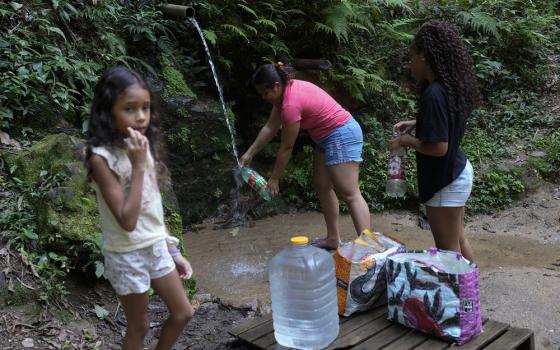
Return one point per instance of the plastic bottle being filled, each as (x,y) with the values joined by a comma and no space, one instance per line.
(396,178)
(256,182)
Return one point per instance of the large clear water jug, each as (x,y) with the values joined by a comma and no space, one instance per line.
(303,294)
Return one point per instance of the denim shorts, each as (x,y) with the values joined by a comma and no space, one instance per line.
(456,193)
(344,144)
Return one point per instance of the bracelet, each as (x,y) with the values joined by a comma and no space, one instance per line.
(174,252)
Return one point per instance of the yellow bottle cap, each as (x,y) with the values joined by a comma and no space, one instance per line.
(299,240)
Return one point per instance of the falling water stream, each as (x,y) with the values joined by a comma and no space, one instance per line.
(237,212)
(231,132)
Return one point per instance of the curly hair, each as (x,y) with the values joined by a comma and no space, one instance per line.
(448,57)
(101,126)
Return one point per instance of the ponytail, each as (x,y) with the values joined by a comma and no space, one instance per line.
(269,74)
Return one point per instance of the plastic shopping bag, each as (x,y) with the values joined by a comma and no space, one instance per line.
(360,271)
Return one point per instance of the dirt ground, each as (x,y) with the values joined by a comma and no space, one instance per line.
(517,250)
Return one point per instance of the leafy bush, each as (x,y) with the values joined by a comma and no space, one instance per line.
(494,190)
(549,165)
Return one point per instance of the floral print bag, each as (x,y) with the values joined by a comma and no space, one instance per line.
(436,292)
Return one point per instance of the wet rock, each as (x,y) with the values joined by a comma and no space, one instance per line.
(251,304)
(202,108)
(27,343)
(203,297)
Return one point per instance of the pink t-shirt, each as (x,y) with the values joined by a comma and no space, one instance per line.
(315,109)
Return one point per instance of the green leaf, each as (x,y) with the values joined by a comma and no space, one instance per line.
(210,35)
(16,5)
(43,173)
(248,9)
(28,232)
(100,312)
(57,31)
(235,30)
(266,23)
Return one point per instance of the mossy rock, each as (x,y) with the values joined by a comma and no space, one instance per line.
(175,84)
(67,215)
(51,154)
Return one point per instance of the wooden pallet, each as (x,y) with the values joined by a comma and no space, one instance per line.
(371,330)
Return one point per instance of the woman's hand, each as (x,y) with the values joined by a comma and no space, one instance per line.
(136,148)
(246,159)
(273,186)
(404,126)
(183,267)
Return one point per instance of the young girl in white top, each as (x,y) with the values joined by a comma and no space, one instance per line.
(138,251)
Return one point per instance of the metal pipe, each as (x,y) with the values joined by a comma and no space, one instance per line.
(178,10)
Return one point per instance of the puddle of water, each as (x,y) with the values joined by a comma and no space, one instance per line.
(243,269)
(235,266)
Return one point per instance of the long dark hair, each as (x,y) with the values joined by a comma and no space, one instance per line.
(451,64)
(269,74)
(101,126)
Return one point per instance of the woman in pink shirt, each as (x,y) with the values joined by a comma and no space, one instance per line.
(338,137)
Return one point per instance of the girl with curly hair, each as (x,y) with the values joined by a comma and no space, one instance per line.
(440,62)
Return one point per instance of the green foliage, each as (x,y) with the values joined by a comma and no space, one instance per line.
(549,165)
(47,68)
(20,228)
(494,190)
(53,269)
(175,84)
(20,296)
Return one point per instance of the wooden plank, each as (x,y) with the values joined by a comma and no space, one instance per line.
(349,324)
(249,324)
(383,338)
(432,344)
(360,334)
(257,332)
(528,344)
(409,341)
(357,320)
(513,338)
(492,330)
(266,341)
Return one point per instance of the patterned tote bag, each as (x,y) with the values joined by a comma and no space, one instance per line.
(436,292)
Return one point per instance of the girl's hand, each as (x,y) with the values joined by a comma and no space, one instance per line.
(404,126)
(183,267)
(395,144)
(246,159)
(273,186)
(136,148)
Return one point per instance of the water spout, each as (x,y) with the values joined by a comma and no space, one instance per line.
(178,10)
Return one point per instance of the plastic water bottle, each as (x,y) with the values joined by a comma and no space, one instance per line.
(303,294)
(396,179)
(256,181)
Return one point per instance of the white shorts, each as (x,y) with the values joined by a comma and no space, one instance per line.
(131,272)
(456,193)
